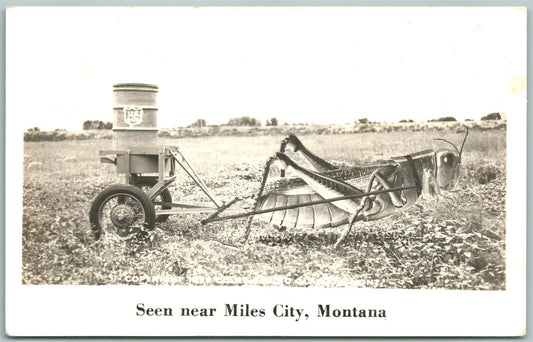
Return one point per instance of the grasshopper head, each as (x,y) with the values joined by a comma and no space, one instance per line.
(448,169)
(448,166)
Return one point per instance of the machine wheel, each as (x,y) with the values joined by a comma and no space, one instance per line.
(145,184)
(121,209)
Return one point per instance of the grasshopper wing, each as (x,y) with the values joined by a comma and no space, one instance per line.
(307,216)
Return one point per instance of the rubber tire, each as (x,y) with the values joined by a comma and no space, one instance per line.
(144,200)
(165,195)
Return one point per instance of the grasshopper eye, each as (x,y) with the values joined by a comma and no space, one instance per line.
(448,159)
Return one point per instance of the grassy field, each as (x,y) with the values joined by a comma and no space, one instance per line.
(455,243)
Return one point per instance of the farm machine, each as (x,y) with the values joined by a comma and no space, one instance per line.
(317,194)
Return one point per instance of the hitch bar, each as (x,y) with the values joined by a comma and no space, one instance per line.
(214,217)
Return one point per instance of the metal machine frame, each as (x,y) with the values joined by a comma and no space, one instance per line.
(136,161)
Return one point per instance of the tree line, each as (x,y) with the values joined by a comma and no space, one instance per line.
(239,121)
(253,122)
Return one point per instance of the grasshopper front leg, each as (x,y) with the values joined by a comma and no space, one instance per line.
(347,231)
(372,206)
(381,180)
(429,184)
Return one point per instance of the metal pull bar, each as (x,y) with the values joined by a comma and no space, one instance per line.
(194,176)
(221,209)
(329,200)
(195,173)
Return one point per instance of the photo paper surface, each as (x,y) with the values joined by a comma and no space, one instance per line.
(265,171)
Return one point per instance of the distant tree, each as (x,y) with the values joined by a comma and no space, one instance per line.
(244,121)
(363,121)
(443,119)
(492,116)
(469,120)
(34,129)
(96,124)
(404,121)
(199,123)
(88,124)
(272,122)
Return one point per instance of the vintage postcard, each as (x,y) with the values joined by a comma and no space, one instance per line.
(266,171)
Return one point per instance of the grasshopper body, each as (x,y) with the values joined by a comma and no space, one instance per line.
(427,172)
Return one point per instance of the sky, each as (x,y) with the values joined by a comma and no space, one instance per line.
(312,65)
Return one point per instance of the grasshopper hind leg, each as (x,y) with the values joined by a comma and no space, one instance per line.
(371,205)
(292,143)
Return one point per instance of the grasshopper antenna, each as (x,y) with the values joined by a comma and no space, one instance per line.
(463,144)
(449,142)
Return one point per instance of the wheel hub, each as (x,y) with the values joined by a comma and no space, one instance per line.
(122,216)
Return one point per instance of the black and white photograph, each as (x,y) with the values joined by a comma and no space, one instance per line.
(266,171)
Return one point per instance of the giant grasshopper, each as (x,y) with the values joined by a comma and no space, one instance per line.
(320,195)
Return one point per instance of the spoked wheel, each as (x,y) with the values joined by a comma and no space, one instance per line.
(145,184)
(123,210)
